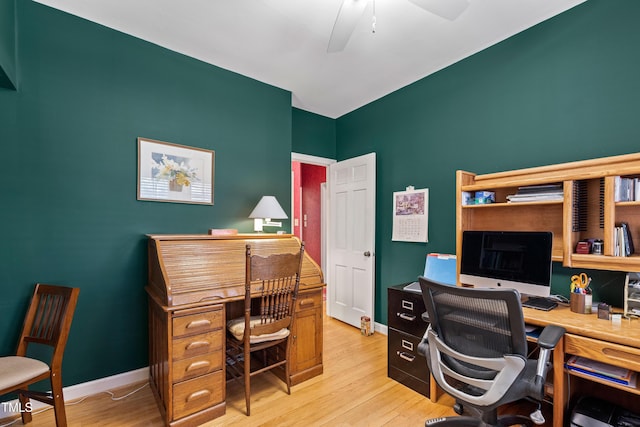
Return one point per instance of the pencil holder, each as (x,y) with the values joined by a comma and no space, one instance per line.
(580,303)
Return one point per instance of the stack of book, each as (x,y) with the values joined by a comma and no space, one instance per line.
(626,189)
(603,371)
(537,193)
(622,241)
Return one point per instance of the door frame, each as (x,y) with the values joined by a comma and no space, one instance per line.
(319,161)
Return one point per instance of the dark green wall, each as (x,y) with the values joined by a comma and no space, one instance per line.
(69,210)
(313,134)
(7,44)
(567,89)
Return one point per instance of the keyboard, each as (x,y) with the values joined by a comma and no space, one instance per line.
(540,303)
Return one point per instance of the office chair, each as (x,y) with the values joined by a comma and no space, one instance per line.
(276,279)
(476,348)
(47,322)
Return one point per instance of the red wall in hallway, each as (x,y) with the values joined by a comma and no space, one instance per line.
(312,177)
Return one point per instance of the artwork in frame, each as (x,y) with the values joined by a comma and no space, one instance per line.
(174,173)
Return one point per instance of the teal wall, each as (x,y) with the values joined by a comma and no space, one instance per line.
(69,154)
(565,90)
(313,134)
(7,44)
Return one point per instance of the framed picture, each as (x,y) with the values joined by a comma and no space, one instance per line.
(174,173)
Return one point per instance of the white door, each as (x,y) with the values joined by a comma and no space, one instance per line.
(351,239)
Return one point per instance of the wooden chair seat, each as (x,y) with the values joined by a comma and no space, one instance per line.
(17,370)
(236,328)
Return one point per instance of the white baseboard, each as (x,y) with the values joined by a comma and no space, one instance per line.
(379,327)
(89,388)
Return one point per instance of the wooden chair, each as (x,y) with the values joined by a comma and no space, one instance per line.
(276,279)
(47,322)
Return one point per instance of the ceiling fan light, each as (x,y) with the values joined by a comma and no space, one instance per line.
(448,9)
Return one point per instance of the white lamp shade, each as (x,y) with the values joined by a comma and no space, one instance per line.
(268,207)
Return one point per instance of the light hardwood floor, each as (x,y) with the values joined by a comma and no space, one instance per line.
(354,390)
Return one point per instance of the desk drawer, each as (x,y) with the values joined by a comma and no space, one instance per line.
(196,394)
(309,300)
(197,345)
(198,322)
(602,351)
(194,366)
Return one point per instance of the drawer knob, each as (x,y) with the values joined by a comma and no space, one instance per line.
(405,316)
(200,364)
(197,344)
(198,323)
(406,356)
(198,395)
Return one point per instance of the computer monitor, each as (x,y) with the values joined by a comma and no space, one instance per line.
(507,259)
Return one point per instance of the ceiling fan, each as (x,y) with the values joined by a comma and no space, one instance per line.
(351,11)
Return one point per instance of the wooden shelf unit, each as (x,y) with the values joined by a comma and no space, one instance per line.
(599,211)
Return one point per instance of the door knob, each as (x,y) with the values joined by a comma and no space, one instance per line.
(367,254)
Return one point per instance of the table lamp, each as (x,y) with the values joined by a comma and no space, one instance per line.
(267,209)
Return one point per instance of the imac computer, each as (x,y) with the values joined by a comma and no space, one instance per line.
(508,259)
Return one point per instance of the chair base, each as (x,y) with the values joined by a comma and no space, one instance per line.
(504,421)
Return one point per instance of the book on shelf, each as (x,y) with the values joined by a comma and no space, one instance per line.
(622,240)
(537,193)
(602,370)
(626,189)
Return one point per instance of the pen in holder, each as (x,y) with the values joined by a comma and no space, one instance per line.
(580,303)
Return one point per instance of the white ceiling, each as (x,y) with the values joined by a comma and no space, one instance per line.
(284,42)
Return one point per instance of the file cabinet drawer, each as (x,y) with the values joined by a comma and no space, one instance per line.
(198,323)
(405,312)
(602,351)
(199,365)
(199,393)
(197,345)
(403,354)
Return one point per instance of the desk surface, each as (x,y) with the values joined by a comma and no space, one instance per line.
(587,325)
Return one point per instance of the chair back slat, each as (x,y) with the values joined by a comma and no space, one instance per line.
(48,318)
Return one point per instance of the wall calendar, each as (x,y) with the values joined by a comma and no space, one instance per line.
(410,215)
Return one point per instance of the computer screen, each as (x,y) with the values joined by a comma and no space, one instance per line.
(507,259)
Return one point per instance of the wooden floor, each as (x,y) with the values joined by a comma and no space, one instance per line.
(353,391)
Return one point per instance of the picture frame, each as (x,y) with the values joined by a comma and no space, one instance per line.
(175,173)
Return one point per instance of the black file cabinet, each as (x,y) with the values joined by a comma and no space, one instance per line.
(406,329)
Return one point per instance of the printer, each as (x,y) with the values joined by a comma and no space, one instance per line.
(592,412)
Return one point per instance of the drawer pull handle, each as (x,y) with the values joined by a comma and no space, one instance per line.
(306,302)
(198,395)
(408,305)
(199,323)
(198,344)
(407,344)
(621,355)
(200,364)
(405,316)
(405,356)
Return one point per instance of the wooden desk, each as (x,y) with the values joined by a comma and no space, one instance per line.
(194,284)
(595,339)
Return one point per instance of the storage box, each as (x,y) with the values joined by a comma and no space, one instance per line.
(485,197)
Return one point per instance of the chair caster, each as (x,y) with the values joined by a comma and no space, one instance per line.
(457,408)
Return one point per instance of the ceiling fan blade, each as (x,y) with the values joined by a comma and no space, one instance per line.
(448,9)
(346,21)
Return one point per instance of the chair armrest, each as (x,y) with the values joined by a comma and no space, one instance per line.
(550,336)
